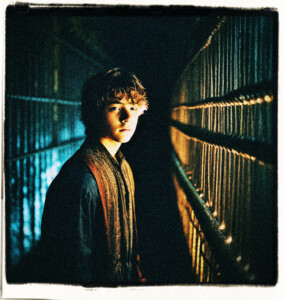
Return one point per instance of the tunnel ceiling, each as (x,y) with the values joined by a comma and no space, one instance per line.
(139,43)
(156,46)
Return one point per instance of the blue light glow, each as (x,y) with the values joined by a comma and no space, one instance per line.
(37,220)
(25,190)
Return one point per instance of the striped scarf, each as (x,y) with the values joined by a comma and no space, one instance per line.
(116,187)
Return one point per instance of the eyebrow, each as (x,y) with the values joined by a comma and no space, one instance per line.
(120,102)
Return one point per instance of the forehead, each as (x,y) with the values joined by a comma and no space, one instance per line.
(124,101)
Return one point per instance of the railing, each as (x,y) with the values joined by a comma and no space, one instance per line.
(225,256)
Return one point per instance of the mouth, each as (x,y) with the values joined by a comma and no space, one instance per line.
(124,130)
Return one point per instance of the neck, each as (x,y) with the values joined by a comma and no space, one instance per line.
(111,146)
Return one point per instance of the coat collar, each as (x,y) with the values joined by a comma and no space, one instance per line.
(95,144)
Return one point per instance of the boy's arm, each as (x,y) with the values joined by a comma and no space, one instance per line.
(67,226)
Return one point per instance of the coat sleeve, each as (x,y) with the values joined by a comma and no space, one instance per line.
(68,227)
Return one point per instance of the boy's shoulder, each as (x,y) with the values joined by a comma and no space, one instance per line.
(74,173)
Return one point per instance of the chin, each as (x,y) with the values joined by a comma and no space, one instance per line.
(125,139)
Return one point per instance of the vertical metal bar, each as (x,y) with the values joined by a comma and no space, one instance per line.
(222,75)
(250,51)
(41,125)
(29,181)
(235,220)
(219,196)
(214,69)
(10,183)
(203,78)
(247,212)
(34,168)
(243,49)
(20,204)
(220,66)
(257,51)
(254,51)
(224,187)
(216,188)
(214,178)
(230,54)
(31,195)
(261,47)
(201,263)
(242,204)
(270,42)
(37,126)
(18,128)
(212,73)
(227,57)
(37,199)
(42,180)
(14,208)
(209,174)
(235,53)
(239,47)
(193,246)
(222,197)
(231,193)
(25,209)
(202,168)
(269,119)
(45,122)
(198,255)
(9,129)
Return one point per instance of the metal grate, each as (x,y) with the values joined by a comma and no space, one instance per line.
(223,133)
(42,120)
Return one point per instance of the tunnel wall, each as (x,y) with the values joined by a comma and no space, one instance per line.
(45,69)
(224,136)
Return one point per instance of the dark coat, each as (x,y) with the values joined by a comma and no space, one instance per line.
(74,242)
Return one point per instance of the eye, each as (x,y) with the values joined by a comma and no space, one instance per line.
(114,108)
(134,108)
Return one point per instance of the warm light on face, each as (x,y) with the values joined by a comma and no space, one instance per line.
(119,121)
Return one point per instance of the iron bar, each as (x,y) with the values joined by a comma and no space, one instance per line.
(44,100)
(262,150)
(224,253)
(47,149)
(239,95)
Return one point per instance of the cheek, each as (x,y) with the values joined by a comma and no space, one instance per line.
(105,124)
(135,121)
(108,121)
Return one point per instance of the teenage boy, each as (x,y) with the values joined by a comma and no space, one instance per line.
(89,233)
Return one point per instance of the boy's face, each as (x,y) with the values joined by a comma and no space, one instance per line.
(119,121)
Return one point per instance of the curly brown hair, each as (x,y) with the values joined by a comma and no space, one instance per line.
(106,87)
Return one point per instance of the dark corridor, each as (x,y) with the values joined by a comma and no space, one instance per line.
(211,81)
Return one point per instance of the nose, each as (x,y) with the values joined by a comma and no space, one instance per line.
(125,115)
